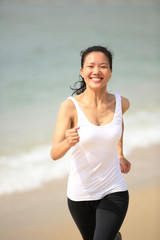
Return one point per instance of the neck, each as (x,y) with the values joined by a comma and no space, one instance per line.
(95,98)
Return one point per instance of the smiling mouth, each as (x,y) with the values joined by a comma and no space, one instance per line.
(96,79)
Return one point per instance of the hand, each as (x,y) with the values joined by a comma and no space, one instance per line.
(72,136)
(125,165)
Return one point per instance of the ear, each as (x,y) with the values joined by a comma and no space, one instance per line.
(81,70)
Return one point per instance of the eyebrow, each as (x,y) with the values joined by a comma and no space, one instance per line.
(100,63)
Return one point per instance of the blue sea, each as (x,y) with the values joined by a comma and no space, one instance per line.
(40,44)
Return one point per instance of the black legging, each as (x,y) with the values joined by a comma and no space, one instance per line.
(100,219)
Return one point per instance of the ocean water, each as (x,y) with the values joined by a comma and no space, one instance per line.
(40,42)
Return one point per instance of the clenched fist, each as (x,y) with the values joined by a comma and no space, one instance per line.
(72,136)
(125,165)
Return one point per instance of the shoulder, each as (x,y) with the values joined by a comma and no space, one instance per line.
(68,103)
(67,108)
(125,104)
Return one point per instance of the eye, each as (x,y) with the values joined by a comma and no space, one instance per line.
(90,66)
(104,66)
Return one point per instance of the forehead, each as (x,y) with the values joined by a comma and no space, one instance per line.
(96,57)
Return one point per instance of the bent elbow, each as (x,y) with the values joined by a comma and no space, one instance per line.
(53,155)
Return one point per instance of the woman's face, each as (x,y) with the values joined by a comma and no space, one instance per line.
(96,70)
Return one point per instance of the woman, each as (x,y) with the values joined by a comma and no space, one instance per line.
(91,126)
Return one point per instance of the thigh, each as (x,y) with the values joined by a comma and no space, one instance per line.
(83,213)
(110,214)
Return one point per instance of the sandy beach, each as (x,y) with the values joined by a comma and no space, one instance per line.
(43,214)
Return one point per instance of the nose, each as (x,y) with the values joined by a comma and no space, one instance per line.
(96,70)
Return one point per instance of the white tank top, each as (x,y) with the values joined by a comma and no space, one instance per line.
(95,170)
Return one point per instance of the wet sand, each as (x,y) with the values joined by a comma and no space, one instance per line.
(43,213)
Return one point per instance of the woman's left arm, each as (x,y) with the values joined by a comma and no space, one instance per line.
(125,165)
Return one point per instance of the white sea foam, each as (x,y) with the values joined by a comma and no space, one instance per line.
(31,169)
(142,129)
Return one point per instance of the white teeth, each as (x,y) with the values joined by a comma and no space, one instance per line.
(96,78)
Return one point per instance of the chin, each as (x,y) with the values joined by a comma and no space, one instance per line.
(96,87)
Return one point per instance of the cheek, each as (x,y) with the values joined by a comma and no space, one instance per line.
(86,73)
(107,74)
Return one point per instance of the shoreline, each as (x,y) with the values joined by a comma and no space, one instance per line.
(43,213)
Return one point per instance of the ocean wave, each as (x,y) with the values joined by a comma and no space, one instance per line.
(29,170)
(142,128)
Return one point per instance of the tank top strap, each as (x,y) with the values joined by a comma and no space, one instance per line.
(75,103)
(118,110)
(80,114)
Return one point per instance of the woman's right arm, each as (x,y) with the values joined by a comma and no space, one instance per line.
(64,136)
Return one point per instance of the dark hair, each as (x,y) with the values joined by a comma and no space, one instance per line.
(77,90)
